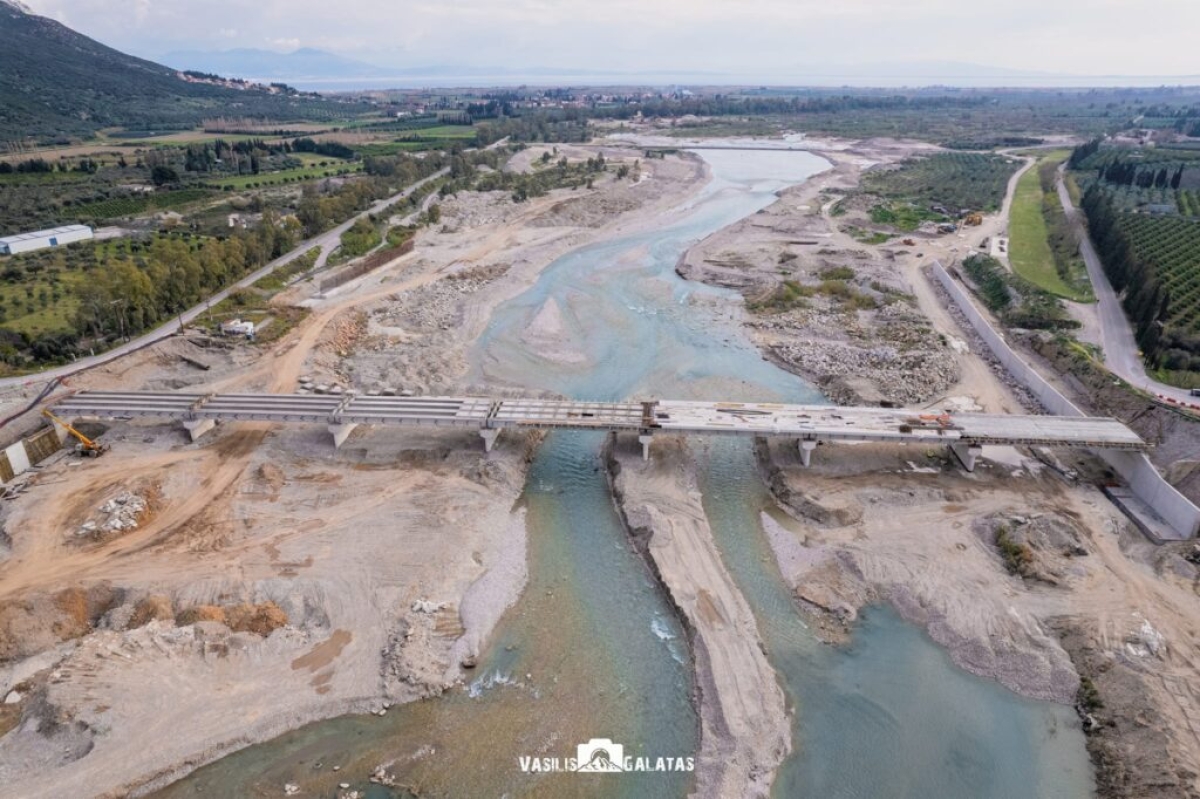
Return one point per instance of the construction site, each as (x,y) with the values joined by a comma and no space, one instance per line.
(379,521)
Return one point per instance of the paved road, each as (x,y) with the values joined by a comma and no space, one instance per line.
(327,241)
(1121,354)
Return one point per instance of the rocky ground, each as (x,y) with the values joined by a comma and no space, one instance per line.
(831,309)
(251,615)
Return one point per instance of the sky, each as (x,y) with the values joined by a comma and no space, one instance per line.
(755,38)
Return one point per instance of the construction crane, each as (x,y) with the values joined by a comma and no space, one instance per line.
(86,446)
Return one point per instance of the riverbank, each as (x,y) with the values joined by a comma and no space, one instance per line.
(1023,577)
(380,569)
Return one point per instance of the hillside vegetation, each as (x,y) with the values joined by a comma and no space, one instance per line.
(58,85)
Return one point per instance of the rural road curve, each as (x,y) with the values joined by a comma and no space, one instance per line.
(1121,354)
(327,241)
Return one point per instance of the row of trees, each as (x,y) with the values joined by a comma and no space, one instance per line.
(319,211)
(1125,173)
(133,294)
(1145,299)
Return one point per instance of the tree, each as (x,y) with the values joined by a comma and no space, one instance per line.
(162,175)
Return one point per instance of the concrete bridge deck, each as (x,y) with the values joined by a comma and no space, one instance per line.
(966,433)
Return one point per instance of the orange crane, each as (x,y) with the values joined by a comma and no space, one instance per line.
(86,446)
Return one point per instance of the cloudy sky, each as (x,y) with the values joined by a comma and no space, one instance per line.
(750,37)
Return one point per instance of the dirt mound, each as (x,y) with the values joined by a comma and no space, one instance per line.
(261,619)
(1039,547)
(201,613)
(258,619)
(153,607)
(39,622)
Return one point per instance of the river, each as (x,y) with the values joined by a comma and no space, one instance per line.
(593,649)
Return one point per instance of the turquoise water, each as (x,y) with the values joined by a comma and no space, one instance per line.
(890,716)
(602,649)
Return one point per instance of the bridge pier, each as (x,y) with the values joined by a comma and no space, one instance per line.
(340,433)
(198,427)
(644,439)
(967,454)
(60,431)
(806,451)
(489,437)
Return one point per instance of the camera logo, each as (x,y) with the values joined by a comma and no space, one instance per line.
(600,755)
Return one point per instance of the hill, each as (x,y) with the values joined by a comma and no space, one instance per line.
(269,66)
(56,85)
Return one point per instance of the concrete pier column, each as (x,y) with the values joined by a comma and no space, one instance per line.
(60,431)
(489,438)
(806,451)
(198,427)
(341,432)
(644,439)
(967,454)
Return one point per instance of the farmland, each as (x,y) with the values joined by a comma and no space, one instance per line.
(974,181)
(1172,244)
(283,176)
(139,204)
(39,292)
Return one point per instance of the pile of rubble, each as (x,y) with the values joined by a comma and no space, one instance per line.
(429,308)
(122,513)
(904,378)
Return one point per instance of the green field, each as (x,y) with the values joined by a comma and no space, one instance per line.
(1029,248)
(238,182)
(25,178)
(140,204)
(440,132)
(905,217)
(974,181)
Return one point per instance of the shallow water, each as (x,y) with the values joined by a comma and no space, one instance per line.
(890,715)
(602,650)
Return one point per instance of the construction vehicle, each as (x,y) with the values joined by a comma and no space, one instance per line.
(974,219)
(86,446)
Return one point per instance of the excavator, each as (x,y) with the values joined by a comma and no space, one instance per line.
(86,446)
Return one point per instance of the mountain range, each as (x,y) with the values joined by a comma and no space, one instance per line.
(58,85)
(266,65)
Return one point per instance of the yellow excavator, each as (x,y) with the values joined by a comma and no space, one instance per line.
(86,446)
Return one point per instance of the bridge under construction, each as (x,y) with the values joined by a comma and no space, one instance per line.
(964,433)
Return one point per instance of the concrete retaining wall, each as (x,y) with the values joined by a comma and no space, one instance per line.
(1134,467)
(17,458)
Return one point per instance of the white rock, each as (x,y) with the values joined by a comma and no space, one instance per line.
(13,697)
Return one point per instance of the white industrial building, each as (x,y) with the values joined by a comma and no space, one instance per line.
(41,239)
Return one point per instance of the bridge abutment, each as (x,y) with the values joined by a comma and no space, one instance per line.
(967,454)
